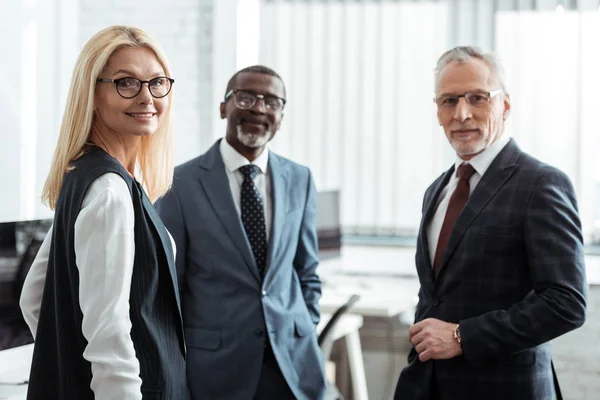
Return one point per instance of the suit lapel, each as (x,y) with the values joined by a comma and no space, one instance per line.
(280,196)
(495,177)
(430,208)
(214,181)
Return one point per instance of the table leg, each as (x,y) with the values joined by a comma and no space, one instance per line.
(357,366)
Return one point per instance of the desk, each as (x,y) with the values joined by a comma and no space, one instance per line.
(14,367)
(384,277)
(386,280)
(347,328)
(13,392)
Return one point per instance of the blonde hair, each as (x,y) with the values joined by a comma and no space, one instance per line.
(155,154)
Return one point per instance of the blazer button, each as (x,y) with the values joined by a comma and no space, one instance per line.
(259,332)
(435,302)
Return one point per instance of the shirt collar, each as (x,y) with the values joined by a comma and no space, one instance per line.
(234,160)
(482,161)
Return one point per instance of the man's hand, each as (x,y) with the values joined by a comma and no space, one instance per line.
(434,340)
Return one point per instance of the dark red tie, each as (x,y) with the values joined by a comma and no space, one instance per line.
(457,202)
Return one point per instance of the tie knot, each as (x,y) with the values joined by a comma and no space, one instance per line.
(465,171)
(249,170)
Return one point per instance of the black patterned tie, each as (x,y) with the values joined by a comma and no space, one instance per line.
(253,217)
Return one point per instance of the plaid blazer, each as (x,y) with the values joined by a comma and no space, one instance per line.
(512,276)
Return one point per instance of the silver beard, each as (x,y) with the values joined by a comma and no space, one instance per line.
(252,140)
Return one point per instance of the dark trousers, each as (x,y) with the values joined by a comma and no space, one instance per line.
(272,384)
(435,394)
(435,391)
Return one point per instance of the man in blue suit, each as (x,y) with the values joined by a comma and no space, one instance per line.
(243,219)
(499,253)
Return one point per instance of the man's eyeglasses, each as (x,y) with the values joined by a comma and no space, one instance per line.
(475,98)
(130,87)
(244,99)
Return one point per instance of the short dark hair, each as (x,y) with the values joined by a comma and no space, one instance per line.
(256,69)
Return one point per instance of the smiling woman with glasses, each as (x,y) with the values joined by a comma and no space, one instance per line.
(101,296)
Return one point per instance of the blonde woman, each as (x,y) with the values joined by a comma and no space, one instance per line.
(101,299)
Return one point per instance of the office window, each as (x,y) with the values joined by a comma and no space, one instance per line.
(359,109)
(360,81)
(552,59)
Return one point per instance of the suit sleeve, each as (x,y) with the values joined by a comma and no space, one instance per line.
(306,259)
(557,304)
(169,209)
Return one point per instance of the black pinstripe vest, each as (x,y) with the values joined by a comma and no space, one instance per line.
(59,370)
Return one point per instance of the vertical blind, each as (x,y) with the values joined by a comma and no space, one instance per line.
(359,77)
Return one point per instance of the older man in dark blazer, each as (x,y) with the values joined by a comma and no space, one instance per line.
(243,219)
(499,253)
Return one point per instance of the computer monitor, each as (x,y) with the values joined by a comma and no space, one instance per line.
(596,222)
(19,244)
(8,238)
(329,229)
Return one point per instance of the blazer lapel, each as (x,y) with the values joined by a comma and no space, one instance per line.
(428,213)
(214,181)
(280,206)
(495,177)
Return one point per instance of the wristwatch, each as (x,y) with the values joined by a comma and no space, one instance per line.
(457,334)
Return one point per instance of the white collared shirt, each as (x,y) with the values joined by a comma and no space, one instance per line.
(481,162)
(233,161)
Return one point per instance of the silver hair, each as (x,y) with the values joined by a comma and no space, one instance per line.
(462,54)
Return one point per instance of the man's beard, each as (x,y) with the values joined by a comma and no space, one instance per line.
(474,147)
(467,149)
(253,140)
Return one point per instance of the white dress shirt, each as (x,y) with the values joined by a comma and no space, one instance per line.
(233,161)
(481,162)
(104,254)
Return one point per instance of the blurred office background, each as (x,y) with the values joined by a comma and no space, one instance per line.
(359,114)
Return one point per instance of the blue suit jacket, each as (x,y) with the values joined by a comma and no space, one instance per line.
(225,305)
(513,276)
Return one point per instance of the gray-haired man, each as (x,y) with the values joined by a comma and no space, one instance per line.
(499,253)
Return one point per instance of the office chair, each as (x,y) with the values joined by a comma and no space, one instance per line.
(326,342)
